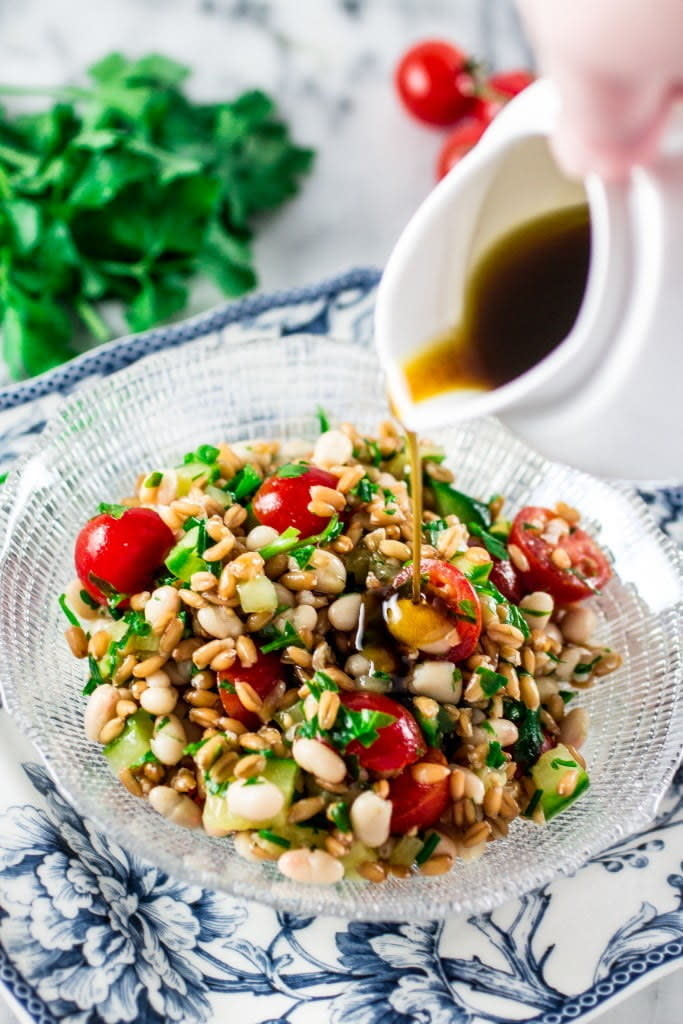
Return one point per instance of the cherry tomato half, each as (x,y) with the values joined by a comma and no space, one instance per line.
(282,501)
(418,804)
(434,82)
(443,580)
(124,552)
(397,745)
(510,83)
(263,676)
(459,142)
(589,569)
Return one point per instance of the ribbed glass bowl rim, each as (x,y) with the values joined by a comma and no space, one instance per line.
(310,899)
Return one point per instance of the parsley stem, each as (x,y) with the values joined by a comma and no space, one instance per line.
(92,320)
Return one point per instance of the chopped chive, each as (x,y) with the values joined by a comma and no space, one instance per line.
(67,611)
(495,757)
(87,599)
(164,721)
(557,762)
(3,477)
(533,803)
(323,419)
(430,844)
(192,748)
(271,837)
(339,814)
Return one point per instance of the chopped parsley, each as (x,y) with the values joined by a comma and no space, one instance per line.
(567,695)
(365,489)
(243,484)
(493,545)
(289,541)
(321,681)
(111,509)
(287,637)
(433,529)
(96,679)
(584,667)
(350,725)
(192,748)
(338,813)
(515,617)
(495,757)
(466,610)
(149,757)
(374,450)
(206,454)
(87,599)
(292,469)
(153,480)
(253,780)
(528,746)
(323,419)
(491,682)
(302,556)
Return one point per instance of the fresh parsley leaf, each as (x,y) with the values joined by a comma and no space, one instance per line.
(495,757)
(338,813)
(113,510)
(374,452)
(153,480)
(286,541)
(567,695)
(323,419)
(288,637)
(528,746)
(96,679)
(292,469)
(494,546)
(302,556)
(149,757)
(433,528)
(466,610)
(87,599)
(491,682)
(365,489)
(192,748)
(363,725)
(244,483)
(321,681)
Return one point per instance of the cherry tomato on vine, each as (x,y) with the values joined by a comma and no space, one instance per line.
(397,745)
(121,553)
(434,81)
(263,676)
(458,143)
(588,569)
(510,83)
(418,804)
(442,580)
(282,501)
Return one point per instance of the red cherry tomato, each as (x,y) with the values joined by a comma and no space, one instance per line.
(434,82)
(589,569)
(282,501)
(397,745)
(262,676)
(507,579)
(123,552)
(446,582)
(460,141)
(417,804)
(510,83)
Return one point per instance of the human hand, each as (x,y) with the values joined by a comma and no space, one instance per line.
(618,65)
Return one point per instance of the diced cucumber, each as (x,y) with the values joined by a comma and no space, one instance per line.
(218,821)
(258,595)
(449,502)
(358,853)
(222,497)
(132,744)
(549,771)
(183,560)
(405,851)
(190,473)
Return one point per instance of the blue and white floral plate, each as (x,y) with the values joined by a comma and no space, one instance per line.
(89,933)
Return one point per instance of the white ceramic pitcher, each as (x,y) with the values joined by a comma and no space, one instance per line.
(609,398)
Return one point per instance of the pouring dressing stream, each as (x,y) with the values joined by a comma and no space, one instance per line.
(602,394)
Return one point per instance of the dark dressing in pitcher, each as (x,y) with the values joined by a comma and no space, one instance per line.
(521,301)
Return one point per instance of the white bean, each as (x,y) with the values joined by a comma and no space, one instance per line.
(371,818)
(177,808)
(163,605)
(344,612)
(437,679)
(260,536)
(158,679)
(304,617)
(330,572)
(169,739)
(159,700)
(333,448)
(474,787)
(574,727)
(578,624)
(220,622)
(506,732)
(313,867)
(446,845)
(284,596)
(76,602)
(553,633)
(255,800)
(101,708)
(357,665)
(313,756)
(569,659)
(537,609)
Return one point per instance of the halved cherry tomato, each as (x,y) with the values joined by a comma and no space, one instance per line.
(446,582)
(124,553)
(434,82)
(460,141)
(282,501)
(589,569)
(262,676)
(397,745)
(507,579)
(417,804)
(510,83)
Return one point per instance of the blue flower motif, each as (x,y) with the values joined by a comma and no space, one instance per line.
(102,935)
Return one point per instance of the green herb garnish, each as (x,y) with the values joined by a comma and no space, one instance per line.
(567,695)
(557,762)
(533,803)
(287,637)
(302,556)
(96,678)
(192,748)
(149,757)
(271,837)
(495,757)
(338,813)
(491,682)
(430,844)
(244,483)
(124,190)
(494,546)
(323,419)
(153,480)
(528,746)
(63,604)
(111,509)
(290,470)
(365,489)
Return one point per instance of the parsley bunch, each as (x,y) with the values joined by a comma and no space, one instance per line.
(124,190)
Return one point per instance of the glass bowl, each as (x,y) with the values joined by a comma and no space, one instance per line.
(209,390)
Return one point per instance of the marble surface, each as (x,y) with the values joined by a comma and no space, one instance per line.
(329,62)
